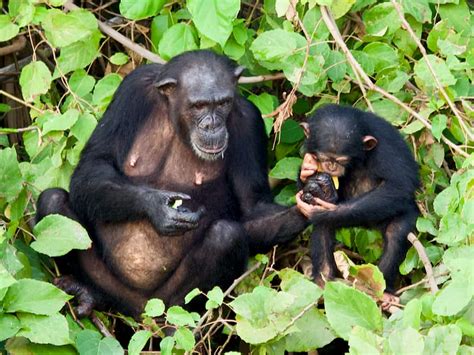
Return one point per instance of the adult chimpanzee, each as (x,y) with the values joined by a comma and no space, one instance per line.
(174,132)
(378,179)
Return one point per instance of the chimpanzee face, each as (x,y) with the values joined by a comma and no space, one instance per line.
(332,164)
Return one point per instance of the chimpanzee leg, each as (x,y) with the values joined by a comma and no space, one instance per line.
(54,201)
(396,245)
(220,259)
(322,249)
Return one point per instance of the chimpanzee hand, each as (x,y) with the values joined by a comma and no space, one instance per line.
(309,210)
(309,167)
(168,220)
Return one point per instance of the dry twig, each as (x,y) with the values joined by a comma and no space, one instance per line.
(425,260)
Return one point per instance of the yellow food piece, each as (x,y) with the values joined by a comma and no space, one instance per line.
(177,203)
(335,180)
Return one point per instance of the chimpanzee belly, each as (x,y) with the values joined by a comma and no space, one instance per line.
(142,258)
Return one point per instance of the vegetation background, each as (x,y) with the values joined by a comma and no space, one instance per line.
(410,61)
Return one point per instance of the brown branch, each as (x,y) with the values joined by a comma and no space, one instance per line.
(14,98)
(425,260)
(331,25)
(100,325)
(17,45)
(422,49)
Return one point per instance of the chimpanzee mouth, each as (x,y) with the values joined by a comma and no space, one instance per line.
(211,150)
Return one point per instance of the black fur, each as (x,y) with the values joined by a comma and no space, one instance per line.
(377,189)
(122,205)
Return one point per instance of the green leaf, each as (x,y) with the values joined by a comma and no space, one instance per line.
(9,326)
(57,235)
(275,45)
(35,79)
(452,230)
(446,201)
(154,307)
(438,125)
(291,132)
(296,284)
(406,342)
(178,316)
(383,55)
(286,197)
(393,80)
(22,11)
(78,54)
(84,127)
(61,122)
(190,296)
(176,40)
(424,76)
(413,127)
(363,341)
(184,338)
(81,83)
(10,175)
(119,58)
(412,314)
(336,66)
(419,9)
(6,279)
(213,18)
(166,345)
(138,10)
(381,20)
(265,102)
(443,339)
(8,30)
(138,341)
(105,89)
(215,298)
(340,7)
(158,27)
(287,168)
(453,297)
(89,342)
(369,276)
(33,296)
(52,329)
(424,225)
(64,29)
(347,307)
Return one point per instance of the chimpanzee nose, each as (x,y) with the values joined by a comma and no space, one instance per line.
(209,123)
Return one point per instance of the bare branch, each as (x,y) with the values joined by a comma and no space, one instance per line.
(426,262)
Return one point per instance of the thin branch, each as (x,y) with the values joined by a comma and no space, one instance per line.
(329,20)
(425,260)
(422,49)
(11,97)
(100,325)
(260,78)
(17,45)
(227,293)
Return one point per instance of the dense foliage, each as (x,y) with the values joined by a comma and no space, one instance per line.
(411,61)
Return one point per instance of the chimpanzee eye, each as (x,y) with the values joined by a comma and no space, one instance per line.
(199,105)
(224,102)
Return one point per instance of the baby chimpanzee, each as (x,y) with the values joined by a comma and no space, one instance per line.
(378,179)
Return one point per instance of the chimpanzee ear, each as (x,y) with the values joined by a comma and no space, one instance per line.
(166,85)
(238,71)
(369,142)
(305,127)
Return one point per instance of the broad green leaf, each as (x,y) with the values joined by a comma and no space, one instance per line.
(390,111)
(438,125)
(9,326)
(393,80)
(105,89)
(35,79)
(443,339)
(84,127)
(286,168)
(33,296)
(336,66)
(21,345)
(412,314)
(234,50)
(383,55)
(138,10)
(453,297)
(413,127)
(424,76)
(215,298)
(52,329)
(64,29)
(61,122)
(22,11)
(419,9)
(281,7)
(406,342)
(340,7)
(347,307)
(110,346)
(381,20)
(291,132)
(178,316)
(296,284)
(314,23)
(90,342)
(320,333)
(176,40)
(10,175)
(446,201)
(369,276)
(460,261)
(8,30)
(138,341)
(425,225)
(119,58)
(265,102)
(81,83)
(166,345)
(158,27)
(272,46)
(57,235)
(452,230)
(154,308)
(5,278)
(286,197)
(78,54)
(56,3)
(363,341)
(213,18)
(191,295)
(184,338)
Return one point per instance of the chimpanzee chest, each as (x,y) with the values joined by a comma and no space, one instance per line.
(357,183)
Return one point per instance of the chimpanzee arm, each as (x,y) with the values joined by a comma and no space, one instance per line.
(266,222)
(374,206)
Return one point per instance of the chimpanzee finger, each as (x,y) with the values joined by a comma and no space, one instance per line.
(172,196)
(325,205)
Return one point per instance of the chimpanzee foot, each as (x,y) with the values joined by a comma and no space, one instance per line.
(83,294)
(389,300)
